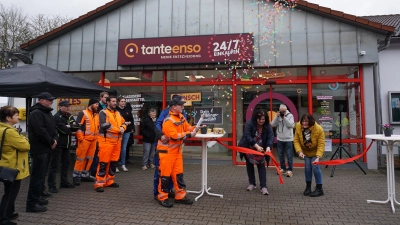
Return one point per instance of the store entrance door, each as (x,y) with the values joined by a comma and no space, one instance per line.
(292,95)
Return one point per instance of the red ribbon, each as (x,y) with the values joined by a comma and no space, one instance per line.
(344,161)
(250,151)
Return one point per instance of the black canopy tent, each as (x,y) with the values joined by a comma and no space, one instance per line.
(30,80)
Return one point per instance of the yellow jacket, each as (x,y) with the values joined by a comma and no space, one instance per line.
(176,128)
(317,141)
(13,143)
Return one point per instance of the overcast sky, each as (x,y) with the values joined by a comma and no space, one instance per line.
(76,8)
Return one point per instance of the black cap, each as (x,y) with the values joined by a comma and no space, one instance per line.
(46,95)
(92,101)
(64,103)
(176,101)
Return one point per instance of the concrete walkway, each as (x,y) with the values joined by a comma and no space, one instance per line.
(344,202)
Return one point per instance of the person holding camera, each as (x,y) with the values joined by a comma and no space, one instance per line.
(284,123)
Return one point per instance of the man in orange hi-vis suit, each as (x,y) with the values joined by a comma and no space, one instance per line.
(87,134)
(176,129)
(112,126)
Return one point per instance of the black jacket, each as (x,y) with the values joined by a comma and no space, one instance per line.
(64,132)
(148,130)
(126,113)
(41,129)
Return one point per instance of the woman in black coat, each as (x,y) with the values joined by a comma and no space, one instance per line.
(258,135)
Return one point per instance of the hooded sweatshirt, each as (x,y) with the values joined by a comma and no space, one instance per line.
(284,126)
(41,130)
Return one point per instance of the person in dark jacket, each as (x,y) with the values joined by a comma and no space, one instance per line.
(43,138)
(126,113)
(148,130)
(65,124)
(258,135)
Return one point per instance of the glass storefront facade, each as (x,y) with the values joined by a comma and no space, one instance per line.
(329,93)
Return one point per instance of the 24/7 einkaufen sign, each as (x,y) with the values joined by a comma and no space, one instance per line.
(188,49)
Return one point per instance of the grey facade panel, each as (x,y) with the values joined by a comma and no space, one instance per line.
(192,18)
(87,47)
(315,43)
(76,50)
(368,43)
(139,11)
(63,52)
(298,37)
(151,27)
(165,18)
(52,53)
(178,18)
(207,13)
(221,17)
(99,58)
(331,42)
(112,40)
(236,16)
(348,47)
(282,44)
(125,21)
(40,55)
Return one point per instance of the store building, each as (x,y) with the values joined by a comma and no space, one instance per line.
(232,57)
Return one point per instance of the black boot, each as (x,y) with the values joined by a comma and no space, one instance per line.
(317,192)
(308,189)
(76,181)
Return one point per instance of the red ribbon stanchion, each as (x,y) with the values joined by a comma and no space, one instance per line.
(250,151)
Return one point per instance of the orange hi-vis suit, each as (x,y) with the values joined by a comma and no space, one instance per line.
(176,128)
(87,138)
(109,146)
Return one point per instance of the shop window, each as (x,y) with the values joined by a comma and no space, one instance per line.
(335,72)
(336,107)
(245,74)
(134,76)
(191,76)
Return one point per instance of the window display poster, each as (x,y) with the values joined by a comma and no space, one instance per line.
(394,107)
(77,104)
(136,102)
(328,145)
(212,114)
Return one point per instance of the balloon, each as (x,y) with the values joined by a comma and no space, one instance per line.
(147,74)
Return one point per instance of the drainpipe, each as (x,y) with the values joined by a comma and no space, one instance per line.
(387,42)
(378,108)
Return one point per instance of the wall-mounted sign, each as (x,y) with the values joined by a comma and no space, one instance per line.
(186,49)
(77,104)
(212,114)
(190,97)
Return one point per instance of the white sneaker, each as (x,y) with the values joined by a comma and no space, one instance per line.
(144,167)
(117,170)
(124,168)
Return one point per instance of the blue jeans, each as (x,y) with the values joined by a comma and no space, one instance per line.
(148,153)
(125,139)
(157,177)
(288,145)
(309,168)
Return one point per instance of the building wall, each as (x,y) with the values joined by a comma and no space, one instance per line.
(287,38)
(389,67)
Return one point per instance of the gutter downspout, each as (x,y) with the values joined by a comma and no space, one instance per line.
(387,42)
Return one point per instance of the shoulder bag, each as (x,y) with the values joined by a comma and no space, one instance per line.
(7,174)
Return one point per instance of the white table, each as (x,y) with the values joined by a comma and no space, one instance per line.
(204,188)
(389,141)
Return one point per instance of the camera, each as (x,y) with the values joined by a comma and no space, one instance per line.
(282,114)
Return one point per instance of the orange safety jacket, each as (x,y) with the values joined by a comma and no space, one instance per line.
(115,119)
(89,122)
(176,128)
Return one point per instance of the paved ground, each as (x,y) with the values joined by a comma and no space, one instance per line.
(344,201)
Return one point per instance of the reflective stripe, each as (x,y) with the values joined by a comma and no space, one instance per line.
(79,159)
(89,157)
(100,181)
(88,123)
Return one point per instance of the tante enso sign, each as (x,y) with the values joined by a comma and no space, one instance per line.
(188,49)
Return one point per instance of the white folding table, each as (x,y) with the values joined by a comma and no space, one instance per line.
(204,188)
(389,141)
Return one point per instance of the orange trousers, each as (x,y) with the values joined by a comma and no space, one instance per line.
(109,150)
(171,167)
(84,157)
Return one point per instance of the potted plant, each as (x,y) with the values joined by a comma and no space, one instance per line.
(387,130)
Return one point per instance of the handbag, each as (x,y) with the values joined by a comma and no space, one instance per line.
(7,174)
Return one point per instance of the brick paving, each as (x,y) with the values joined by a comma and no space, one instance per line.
(344,202)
